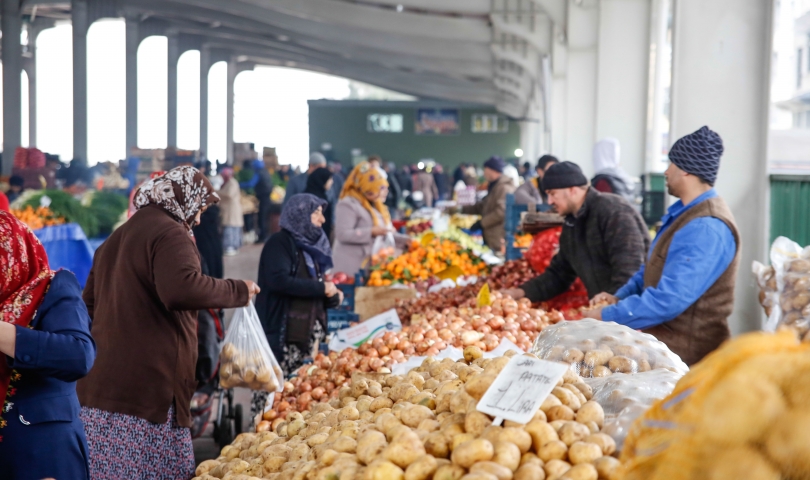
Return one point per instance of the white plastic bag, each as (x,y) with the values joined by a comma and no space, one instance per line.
(246,359)
(599,349)
(384,245)
(791,308)
(624,398)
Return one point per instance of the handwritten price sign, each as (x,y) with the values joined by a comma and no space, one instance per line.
(520,389)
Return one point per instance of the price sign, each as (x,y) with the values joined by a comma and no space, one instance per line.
(372,328)
(520,389)
(483,296)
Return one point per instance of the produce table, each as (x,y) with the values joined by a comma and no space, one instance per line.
(67,247)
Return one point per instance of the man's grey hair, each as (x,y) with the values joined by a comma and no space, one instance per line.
(316,158)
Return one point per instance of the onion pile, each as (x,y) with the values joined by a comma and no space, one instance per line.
(437,301)
(511,274)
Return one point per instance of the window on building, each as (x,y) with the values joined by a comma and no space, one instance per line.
(489,123)
(385,122)
(799,71)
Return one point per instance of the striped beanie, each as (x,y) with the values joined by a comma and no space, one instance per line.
(699,154)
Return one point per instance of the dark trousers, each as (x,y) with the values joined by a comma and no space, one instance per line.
(264,212)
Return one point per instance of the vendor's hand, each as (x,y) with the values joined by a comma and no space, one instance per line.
(330,289)
(253,289)
(595,313)
(604,298)
(379,231)
(516,293)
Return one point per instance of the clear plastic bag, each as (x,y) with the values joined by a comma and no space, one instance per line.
(786,293)
(624,398)
(600,349)
(246,359)
(385,246)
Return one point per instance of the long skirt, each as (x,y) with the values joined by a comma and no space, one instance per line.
(122,446)
(232,238)
(294,355)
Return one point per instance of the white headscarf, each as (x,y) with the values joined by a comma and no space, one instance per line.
(606,154)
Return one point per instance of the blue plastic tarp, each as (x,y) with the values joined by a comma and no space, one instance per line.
(67,247)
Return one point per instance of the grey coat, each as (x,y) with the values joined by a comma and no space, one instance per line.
(353,239)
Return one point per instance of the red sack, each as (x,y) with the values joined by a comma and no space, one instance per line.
(36,159)
(543,248)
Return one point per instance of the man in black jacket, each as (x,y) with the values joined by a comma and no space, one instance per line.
(604,239)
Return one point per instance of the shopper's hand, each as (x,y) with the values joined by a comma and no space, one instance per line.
(604,299)
(595,313)
(379,231)
(253,289)
(516,293)
(330,289)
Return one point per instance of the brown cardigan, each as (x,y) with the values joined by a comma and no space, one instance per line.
(142,294)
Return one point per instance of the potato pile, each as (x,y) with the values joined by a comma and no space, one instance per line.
(424,425)
(599,349)
(250,369)
(794,300)
(741,413)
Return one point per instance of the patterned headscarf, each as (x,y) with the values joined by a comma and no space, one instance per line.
(182,191)
(296,219)
(365,179)
(699,154)
(24,280)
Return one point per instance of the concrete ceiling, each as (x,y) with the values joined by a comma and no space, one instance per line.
(482,51)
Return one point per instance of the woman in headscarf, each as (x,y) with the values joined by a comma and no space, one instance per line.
(610,178)
(319,183)
(143,294)
(231,212)
(294,298)
(360,217)
(46,346)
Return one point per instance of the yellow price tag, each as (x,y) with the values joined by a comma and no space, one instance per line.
(452,272)
(427,238)
(483,296)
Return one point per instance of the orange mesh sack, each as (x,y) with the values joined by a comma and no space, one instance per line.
(599,349)
(741,413)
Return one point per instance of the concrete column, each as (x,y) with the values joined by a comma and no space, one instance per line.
(132,42)
(721,74)
(12,88)
(30,67)
(660,64)
(80,26)
(205,67)
(622,78)
(174,55)
(229,140)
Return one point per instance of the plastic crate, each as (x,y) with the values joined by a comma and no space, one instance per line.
(512,223)
(348,293)
(653,205)
(339,319)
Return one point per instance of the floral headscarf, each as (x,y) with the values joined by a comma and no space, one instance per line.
(24,280)
(296,219)
(366,179)
(182,191)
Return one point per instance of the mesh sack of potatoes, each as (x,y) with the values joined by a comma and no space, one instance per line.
(599,349)
(424,425)
(790,304)
(741,413)
(624,398)
(246,359)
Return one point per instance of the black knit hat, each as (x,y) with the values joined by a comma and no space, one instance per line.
(563,175)
(699,154)
(495,163)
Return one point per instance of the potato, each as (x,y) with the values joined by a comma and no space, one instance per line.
(415,414)
(437,445)
(572,432)
(300,452)
(370,445)
(345,445)
(206,466)
(479,476)
(584,471)
(556,469)
(541,433)
(560,412)
(428,425)
(557,424)
(550,401)
(461,438)
(605,442)
(591,412)
(530,457)
(567,398)
(507,454)
(476,422)
(425,399)
(449,472)
(382,470)
(459,401)
(273,464)
(496,365)
(295,426)
(620,364)
(470,452)
(530,471)
(492,434)
(554,450)
(577,393)
(452,431)
(402,391)
(597,357)
(379,403)
(317,439)
(472,353)
(404,449)
(492,468)
(478,385)
(607,467)
(572,355)
(423,468)
(582,452)
(601,371)
(415,379)
(518,436)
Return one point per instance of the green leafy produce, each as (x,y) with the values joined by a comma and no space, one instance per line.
(64,205)
(107,207)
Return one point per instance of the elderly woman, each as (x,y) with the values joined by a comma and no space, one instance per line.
(143,294)
(360,217)
(294,298)
(46,344)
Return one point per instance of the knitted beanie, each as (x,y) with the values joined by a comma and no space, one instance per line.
(495,163)
(699,154)
(563,175)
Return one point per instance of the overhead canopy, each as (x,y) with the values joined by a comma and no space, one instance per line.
(482,51)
